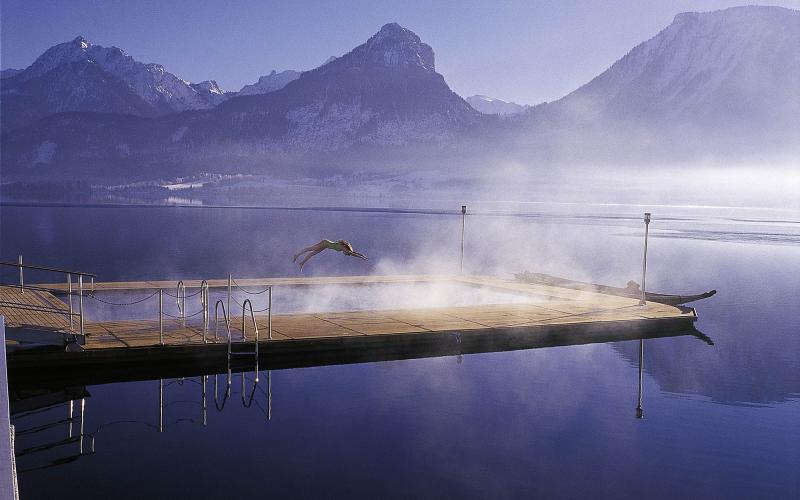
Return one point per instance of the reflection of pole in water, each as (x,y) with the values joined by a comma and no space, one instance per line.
(269,394)
(71,402)
(83,409)
(204,379)
(639,410)
(161,405)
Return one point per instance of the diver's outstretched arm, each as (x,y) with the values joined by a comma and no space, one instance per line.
(358,254)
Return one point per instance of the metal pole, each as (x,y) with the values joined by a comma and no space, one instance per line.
(69,289)
(21,276)
(80,299)
(639,410)
(269,314)
(230,282)
(161,315)
(642,300)
(463,228)
(204,304)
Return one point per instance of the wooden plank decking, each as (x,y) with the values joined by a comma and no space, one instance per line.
(25,309)
(551,309)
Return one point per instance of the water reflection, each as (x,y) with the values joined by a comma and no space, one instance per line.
(39,435)
(39,441)
(639,409)
(40,424)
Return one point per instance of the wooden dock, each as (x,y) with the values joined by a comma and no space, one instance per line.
(555,316)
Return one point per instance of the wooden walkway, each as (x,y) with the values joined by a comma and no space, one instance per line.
(28,309)
(551,309)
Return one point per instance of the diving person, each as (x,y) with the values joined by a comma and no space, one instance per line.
(340,246)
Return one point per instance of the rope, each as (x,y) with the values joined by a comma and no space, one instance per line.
(188,296)
(251,305)
(161,285)
(124,303)
(248,291)
(183,317)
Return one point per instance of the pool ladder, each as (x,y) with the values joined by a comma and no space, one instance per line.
(245,306)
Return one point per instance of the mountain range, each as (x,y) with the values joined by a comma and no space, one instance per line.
(718,83)
(494,106)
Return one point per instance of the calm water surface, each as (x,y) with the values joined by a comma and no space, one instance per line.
(720,421)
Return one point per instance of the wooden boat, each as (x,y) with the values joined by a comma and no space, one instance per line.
(632,290)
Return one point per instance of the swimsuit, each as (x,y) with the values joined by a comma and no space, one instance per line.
(335,245)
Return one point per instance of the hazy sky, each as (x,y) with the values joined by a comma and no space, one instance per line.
(526,51)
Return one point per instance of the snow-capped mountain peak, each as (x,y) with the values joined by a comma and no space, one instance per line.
(271,82)
(160,89)
(492,106)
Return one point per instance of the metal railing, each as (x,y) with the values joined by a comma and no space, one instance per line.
(180,301)
(180,296)
(70,292)
(204,304)
(246,304)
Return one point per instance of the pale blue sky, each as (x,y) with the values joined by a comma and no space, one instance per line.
(526,51)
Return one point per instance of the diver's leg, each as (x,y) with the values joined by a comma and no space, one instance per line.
(318,247)
(313,253)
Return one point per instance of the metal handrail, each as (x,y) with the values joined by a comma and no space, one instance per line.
(44,268)
(245,304)
(219,304)
(204,305)
(180,301)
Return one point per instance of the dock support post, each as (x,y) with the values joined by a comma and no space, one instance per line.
(463,228)
(161,315)
(21,276)
(639,410)
(71,311)
(80,300)
(642,300)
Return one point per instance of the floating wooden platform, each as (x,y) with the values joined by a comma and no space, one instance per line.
(555,316)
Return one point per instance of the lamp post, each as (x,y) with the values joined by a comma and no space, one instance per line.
(463,228)
(642,300)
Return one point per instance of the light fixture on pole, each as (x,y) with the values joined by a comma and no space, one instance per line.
(642,300)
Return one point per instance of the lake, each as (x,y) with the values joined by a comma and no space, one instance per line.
(719,421)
